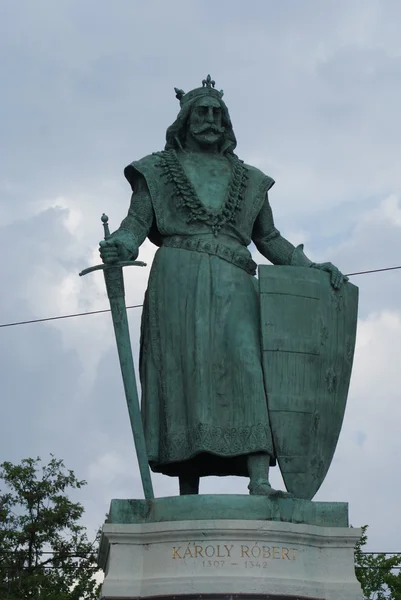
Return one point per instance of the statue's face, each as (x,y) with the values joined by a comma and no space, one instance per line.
(205,122)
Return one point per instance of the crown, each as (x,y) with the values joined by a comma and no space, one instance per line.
(207,89)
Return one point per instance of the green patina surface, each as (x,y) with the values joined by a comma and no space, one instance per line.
(228,506)
(235,373)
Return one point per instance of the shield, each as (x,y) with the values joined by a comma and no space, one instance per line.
(308,342)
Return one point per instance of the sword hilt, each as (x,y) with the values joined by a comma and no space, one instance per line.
(104,267)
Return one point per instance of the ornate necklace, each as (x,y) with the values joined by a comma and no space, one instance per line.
(188,199)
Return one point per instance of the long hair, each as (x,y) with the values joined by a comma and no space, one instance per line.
(176,133)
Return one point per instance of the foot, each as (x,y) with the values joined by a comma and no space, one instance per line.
(261,487)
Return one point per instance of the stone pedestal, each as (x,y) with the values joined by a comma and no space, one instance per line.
(225,557)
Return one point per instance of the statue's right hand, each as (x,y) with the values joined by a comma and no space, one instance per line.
(111,251)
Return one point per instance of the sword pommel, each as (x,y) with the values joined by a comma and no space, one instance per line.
(105,221)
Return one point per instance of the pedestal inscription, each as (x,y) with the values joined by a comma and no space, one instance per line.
(220,555)
(230,551)
(261,558)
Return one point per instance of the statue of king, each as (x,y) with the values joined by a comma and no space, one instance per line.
(204,404)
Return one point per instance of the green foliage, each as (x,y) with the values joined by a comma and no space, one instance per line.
(45,553)
(375,573)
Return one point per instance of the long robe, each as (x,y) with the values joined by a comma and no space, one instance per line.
(204,405)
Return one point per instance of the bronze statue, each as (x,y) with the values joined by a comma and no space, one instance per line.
(204,403)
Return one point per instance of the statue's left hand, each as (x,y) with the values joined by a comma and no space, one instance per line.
(336,277)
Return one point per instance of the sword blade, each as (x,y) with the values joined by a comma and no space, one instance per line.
(115,291)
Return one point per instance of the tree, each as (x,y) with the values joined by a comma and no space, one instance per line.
(375,572)
(45,553)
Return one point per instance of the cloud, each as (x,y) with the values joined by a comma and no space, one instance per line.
(313,91)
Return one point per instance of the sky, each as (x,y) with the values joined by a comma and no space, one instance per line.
(314,93)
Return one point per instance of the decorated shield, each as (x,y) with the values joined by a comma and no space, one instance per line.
(308,342)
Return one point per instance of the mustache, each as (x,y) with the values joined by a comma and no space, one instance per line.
(209,128)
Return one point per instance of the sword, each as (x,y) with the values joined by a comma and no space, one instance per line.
(114,279)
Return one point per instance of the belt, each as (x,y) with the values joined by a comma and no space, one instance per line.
(195,244)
